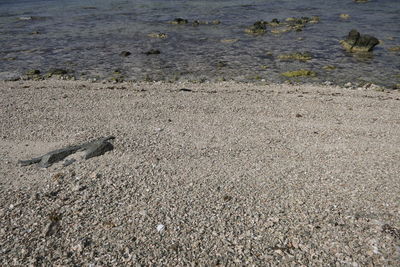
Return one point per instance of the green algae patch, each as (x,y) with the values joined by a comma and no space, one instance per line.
(329,67)
(296,56)
(179,21)
(394,49)
(159,35)
(280,30)
(227,41)
(33,72)
(259,27)
(34,75)
(344,16)
(299,73)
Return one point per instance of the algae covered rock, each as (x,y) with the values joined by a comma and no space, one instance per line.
(274,22)
(259,27)
(60,73)
(153,52)
(299,73)
(34,74)
(394,49)
(117,76)
(159,35)
(280,30)
(57,72)
(329,67)
(301,56)
(125,53)
(229,41)
(179,21)
(356,42)
(290,24)
(344,16)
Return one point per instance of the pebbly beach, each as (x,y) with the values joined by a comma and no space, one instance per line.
(199,133)
(200,174)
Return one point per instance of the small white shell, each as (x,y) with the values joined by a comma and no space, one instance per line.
(160,228)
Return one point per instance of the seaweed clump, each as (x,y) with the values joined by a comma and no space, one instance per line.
(299,73)
(301,56)
(259,27)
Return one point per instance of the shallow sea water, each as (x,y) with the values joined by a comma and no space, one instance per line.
(86,37)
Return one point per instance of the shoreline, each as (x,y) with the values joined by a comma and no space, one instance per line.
(37,77)
(211,173)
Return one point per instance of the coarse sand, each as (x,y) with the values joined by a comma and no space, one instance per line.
(215,174)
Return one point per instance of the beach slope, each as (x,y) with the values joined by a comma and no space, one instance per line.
(213,174)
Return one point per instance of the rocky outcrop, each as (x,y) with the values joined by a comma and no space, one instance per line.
(356,42)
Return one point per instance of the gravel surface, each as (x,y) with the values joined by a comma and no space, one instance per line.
(216,174)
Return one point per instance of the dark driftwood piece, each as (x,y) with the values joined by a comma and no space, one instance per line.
(92,149)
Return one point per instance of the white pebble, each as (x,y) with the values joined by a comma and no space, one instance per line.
(160,228)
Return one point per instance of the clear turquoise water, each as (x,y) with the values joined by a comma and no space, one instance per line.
(87,36)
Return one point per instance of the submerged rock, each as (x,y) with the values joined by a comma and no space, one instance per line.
(344,16)
(329,67)
(290,24)
(274,22)
(153,52)
(200,22)
(229,40)
(125,53)
(356,42)
(33,72)
(221,64)
(394,49)
(179,21)
(158,35)
(34,75)
(302,56)
(259,27)
(299,73)
(56,72)
(280,30)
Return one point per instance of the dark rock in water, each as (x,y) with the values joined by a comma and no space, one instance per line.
(34,75)
(57,72)
(179,21)
(33,72)
(356,42)
(92,149)
(125,53)
(259,27)
(274,22)
(153,52)
(221,64)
